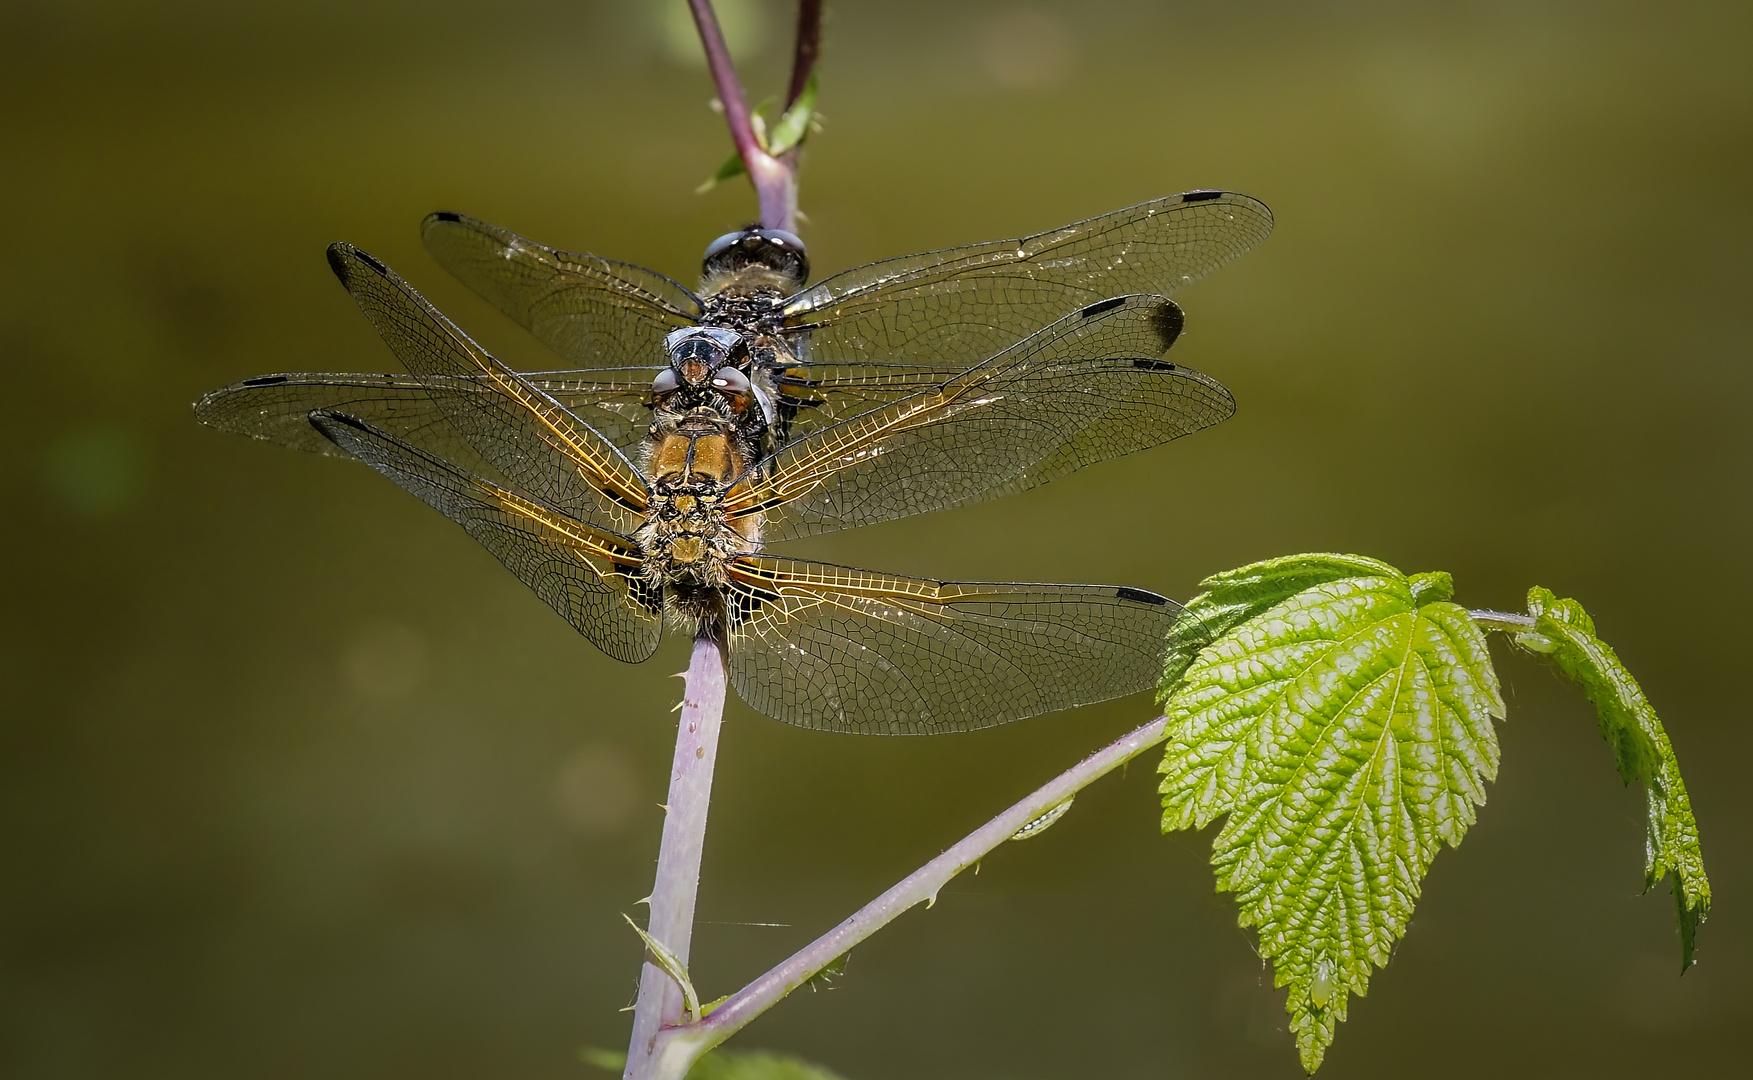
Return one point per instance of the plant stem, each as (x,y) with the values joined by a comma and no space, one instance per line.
(809,45)
(1507,621)
(678,860)
(684,827)
(678,1047)
(775,181)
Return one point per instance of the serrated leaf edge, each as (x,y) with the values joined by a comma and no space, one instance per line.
(1437,635)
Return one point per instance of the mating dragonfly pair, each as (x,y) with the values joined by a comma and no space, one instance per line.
(703,426)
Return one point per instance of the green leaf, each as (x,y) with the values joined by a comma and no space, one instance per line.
(607,1060)
(755,1065)
(1340,713)
(788,134)
(1233,598)
(1564,633)
(733,166)
(795,124)
(671,965)
(706,1007)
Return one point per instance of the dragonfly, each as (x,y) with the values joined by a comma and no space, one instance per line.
(625,498)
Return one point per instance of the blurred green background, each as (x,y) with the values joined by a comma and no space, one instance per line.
(296,781)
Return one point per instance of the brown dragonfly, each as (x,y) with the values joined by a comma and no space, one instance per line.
(621,497)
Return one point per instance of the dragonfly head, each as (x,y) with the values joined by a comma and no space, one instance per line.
(777,250)
(696,353)
(707,361)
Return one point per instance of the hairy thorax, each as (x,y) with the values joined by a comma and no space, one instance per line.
(692,460)
(747,299)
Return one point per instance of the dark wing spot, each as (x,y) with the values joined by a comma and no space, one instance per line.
(1167,321)
(446,215)
(265,380)
(1153,365)
(1200,196)
(322,419)
(1126,592)
(1102,305)
(341,257)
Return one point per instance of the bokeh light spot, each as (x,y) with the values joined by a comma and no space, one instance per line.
(596,790)
(385,661)
(1027,47)
(96,471)
(743,22)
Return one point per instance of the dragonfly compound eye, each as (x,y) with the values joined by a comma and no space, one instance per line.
(731,381)
(719,246)
(666,380)
(774,249)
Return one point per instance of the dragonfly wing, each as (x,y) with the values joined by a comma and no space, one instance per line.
(1088,388)
(590,576)
(837,649)
(522,431)
(812,396)
(277,408)
(589,310)
(969,302)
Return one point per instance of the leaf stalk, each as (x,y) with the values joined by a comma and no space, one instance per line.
(1509,622)
(677,1047)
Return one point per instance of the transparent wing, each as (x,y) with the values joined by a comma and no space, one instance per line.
(277,408)
(815,395)
(1088,388)
(964,304)
(523,432)
(590,576)
(589,310)
(837,649)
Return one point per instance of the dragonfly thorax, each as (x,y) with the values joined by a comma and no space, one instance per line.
(745,279)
